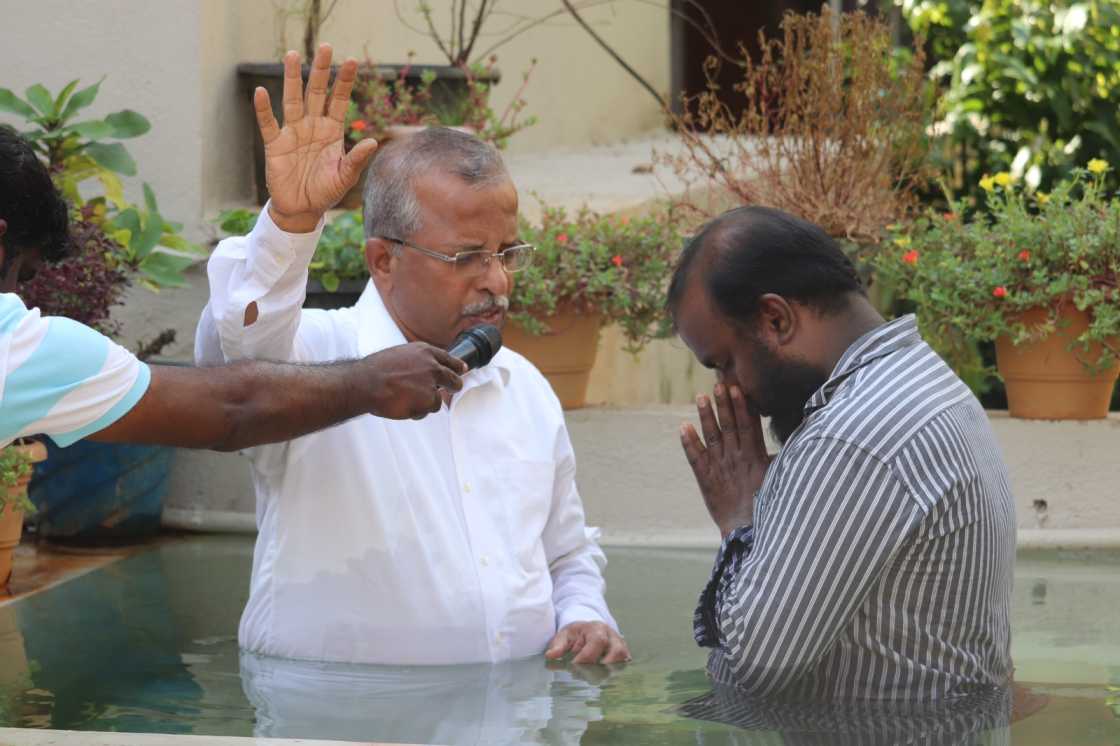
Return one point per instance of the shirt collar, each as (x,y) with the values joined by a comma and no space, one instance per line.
(377,331)
(877,343)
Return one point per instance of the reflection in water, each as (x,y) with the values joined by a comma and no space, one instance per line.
(981,718)
(509,703)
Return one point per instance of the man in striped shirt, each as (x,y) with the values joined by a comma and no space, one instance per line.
(872,557)
(65,380)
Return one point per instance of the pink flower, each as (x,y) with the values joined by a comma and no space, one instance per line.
(562,239)
(910,257)
(1000,292)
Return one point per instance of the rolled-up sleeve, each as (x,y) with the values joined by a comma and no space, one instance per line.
(269,267)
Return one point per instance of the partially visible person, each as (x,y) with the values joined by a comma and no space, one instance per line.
(459,539)
(64,380)
(872,557)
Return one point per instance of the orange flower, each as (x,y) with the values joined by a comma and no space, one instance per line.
(1024,256)
(950,216)
(910,257)
(616,260)
(625,221)
(359,125)
(562,239)
(1000,292)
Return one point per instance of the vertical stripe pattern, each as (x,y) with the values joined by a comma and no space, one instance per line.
(879,563)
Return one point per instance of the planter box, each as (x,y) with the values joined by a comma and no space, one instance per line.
(100,492)
(450,86)
(347,294)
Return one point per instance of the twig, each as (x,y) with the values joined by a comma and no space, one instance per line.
(614,55)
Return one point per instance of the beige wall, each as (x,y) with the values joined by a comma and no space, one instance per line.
(174,61)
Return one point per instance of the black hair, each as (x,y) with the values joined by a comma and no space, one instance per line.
(748,252)
(36,213)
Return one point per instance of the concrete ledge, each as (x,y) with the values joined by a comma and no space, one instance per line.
(638,489)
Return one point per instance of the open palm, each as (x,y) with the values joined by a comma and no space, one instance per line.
(306,166)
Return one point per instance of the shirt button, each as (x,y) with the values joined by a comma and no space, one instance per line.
(467,487)
(499,638)
(484,560)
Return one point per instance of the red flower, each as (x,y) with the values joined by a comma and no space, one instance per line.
(562,239)
(1024,256)
(910,257)
(950,216)
(359,125)
(1000,292)
(616,260)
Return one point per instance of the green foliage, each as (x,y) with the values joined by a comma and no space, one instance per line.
(77,154)
(1033,86)
(971,280)
(617,267)
(339,256)
(15,464)
(381,102)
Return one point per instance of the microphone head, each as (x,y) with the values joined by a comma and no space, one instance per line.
(478,345)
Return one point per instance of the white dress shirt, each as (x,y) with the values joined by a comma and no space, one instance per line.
(455,539)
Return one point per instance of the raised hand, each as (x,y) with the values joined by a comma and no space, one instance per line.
(731,462)
(306,166)
(410,380)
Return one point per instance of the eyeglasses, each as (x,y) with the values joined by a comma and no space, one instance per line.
(474,263)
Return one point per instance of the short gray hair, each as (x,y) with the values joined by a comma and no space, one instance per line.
(390,207)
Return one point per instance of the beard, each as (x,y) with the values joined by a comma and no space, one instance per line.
(785,386)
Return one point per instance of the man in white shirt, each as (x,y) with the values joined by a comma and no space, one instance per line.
(64,380)
(457,539)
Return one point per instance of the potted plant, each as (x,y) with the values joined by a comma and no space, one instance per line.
(15,475)
(589,270)
(337,274)
(385,107)
(94,491)
(1039,276)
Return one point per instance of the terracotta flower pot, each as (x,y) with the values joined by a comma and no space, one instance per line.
(11,521)
(1046,380)
(565,354)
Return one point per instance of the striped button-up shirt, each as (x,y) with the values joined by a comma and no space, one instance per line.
(880,557)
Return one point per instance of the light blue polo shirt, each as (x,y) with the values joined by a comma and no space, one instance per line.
(60,378)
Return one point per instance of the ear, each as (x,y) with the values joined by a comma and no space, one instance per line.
(379,258)
(778,320)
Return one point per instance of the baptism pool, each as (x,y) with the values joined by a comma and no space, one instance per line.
(148,644)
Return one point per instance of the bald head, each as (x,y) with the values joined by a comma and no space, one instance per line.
(749,252)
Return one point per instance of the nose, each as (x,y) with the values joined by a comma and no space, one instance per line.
(495,279)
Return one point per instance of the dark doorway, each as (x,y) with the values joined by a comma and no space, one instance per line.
(735,22)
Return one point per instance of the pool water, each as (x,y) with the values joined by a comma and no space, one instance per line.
(148,644)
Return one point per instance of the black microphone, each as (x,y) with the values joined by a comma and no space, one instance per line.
(477,346)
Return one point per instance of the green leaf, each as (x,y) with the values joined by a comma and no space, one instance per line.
(150,199)
(165,270)
(64,94)
(80,100)
(127,220)
(178,243)
(128,123)
(330,282)
(13,104)
(143,243)
(112,156)
(41,99)
(94,129)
